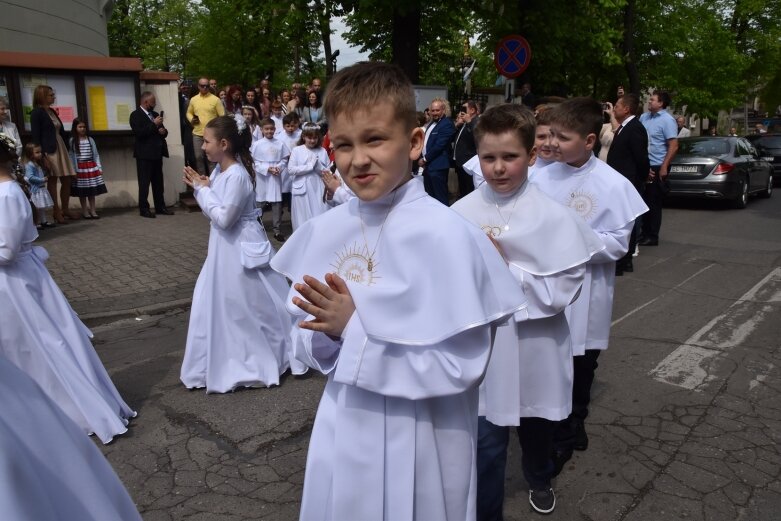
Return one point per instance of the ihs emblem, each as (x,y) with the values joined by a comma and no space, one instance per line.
(356,265)
(583,203)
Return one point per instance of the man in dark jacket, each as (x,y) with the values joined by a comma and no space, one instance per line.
(628,155)
(464,147)
(149,150)
(436,152)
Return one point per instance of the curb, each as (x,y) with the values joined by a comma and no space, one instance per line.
(151,309)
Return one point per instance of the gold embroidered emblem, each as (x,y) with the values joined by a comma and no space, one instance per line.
(356,265)
(584,204)
(491,230)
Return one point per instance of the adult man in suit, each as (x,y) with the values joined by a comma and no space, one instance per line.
(149,150)
(628,155)
(185,89)
(464,147)
(436,152)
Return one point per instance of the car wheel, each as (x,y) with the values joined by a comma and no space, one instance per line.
(768,191)
(742,199)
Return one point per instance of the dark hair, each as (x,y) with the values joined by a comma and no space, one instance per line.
(581,115)
(507,117)
(40,94)
(318,99)
(364,85)
(471,104)
(255,117)
(543,113)
(632,102)
(663,96)
(75,141)
(230,105)
(224,127)
(290,117)
(267,121)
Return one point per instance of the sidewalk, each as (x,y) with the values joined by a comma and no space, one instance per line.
(123,264)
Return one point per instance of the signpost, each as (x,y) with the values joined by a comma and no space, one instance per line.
(511,58)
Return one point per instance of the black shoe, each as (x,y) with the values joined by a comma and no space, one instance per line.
(542,500)
(560,458)
(581,438)
(164,211)
(280,237)
(619,270)
(649,242)
(628,267)
(49,224)
(147,213)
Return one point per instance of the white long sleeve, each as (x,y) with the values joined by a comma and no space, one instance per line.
(222,211)
(12,229)
(548,295)
(616,244)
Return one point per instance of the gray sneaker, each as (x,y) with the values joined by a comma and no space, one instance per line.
(542,500)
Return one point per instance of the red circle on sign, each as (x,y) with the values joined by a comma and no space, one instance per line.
(512,56)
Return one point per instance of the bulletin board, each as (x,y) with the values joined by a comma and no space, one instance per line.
(64,87)
(110,100)
(425,94)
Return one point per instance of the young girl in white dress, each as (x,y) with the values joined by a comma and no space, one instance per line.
(308,163)
(238,332)
(40,332)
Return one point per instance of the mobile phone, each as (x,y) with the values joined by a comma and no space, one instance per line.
(162,113)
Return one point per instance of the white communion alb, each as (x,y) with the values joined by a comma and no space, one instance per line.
(239,330)
(608,203)
(395,432)
(48,468)
(40,332)
(305,169)
(268,153)
(546,247)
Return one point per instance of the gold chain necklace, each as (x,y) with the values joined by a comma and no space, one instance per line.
(370,259)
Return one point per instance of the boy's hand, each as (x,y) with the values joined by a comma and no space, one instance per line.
(331,182)
(331,304)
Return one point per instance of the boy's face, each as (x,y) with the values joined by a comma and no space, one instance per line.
(277,112)
(504,161)
(289,127)
(570,147)
(542,142)
(268,131)
(373,150)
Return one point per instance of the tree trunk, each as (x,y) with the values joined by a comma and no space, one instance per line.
(405,41)
(324,24)
(628,47)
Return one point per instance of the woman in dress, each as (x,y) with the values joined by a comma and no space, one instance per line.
(41,333)
(238,332)
(47,131)
(313,112)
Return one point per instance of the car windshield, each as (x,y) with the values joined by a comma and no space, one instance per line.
(703,147)
(768,142)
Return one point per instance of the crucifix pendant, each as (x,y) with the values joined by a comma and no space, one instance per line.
(370,264)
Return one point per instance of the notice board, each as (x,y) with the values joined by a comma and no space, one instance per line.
(64,88)
(110,100)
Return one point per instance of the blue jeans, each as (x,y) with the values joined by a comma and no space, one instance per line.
(536,439)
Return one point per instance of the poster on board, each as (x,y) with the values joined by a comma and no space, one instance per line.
(110,100)
(64,88)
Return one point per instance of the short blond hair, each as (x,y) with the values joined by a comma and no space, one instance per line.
(364,85)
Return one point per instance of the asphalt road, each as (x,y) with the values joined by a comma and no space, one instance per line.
(685,423)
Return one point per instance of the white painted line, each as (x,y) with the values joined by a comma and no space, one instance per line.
(688,365)
(638,308)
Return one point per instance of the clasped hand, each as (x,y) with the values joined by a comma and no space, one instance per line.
(330,304)
(192,178)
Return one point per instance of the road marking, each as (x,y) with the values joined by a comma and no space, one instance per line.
(688,365)
(641,306)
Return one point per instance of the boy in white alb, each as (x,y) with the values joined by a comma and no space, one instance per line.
(609,203)
(397,297)
(270,156)
(529,378)
(290,137)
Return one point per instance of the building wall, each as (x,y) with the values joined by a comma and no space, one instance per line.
(55,26)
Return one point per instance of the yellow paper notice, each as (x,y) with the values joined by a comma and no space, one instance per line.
(98,113)
(123,113)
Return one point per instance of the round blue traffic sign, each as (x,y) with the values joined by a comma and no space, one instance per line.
(512,56)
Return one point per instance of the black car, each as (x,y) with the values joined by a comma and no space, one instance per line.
(769,148)
(719,168)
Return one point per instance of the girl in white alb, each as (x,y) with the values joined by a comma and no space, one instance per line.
(40,332)
(308,162)
(238,332)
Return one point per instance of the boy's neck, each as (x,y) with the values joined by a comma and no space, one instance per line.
(582,161)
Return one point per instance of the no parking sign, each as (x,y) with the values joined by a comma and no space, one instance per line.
(512,56)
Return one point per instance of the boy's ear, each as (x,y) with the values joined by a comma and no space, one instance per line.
(591,140)
(532,155)
(416,143)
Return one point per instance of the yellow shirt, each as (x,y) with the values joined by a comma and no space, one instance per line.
(206,108)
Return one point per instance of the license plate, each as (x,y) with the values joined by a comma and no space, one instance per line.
(685,169)
(769,158)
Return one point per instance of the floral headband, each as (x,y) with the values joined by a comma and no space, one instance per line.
(8,144)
